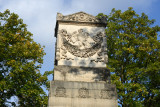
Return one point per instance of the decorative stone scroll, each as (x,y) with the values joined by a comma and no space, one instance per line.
(60,92)
(81,44)
(83,93)
(81,17)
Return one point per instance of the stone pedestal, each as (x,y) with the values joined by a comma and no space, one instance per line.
(83,74)
(81,78)
(82,94)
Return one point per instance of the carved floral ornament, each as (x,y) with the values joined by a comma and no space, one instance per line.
(106,94)
(81,44)
(80,17)
(60,92)
(83,93)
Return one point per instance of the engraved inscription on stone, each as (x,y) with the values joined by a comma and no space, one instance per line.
(105,94)
(83,93)
(60,92)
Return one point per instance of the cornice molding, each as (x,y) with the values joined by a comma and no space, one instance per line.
(81,17)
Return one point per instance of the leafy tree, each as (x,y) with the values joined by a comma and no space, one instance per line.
(134,58)
(20,60)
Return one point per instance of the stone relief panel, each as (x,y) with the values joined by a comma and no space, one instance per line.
(106,94)
(83,93)
(81,17)
(81,46)
(60,92)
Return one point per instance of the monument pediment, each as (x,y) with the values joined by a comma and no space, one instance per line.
(81,17)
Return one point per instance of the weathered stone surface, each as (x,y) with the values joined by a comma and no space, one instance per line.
(82,94)
(81,46)
(80,17)
(81,78)
(86,74)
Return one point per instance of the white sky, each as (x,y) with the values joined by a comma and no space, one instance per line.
(40,16)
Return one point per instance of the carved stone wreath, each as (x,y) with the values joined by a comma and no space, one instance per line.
(83,93)
(105,94)
(60,92)
(84,49)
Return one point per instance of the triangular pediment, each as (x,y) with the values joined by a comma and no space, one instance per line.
(79,17)
(83,14)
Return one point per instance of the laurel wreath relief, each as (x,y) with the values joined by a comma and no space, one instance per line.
(81,44)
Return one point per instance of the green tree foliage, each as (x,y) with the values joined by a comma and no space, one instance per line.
(134,58)
(20,60)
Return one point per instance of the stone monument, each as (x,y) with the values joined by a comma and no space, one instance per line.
(81,78)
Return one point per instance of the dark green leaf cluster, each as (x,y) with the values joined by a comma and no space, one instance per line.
(20,60)
(134,58)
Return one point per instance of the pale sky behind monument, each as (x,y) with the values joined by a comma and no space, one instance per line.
(40,16)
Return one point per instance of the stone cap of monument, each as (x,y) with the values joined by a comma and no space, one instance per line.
(81,17)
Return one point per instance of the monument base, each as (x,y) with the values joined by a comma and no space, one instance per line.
(82,94)
(86,74)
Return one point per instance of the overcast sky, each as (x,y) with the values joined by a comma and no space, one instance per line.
(40,16)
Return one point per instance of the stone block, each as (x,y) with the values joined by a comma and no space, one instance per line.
(86,74)
(82,94)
